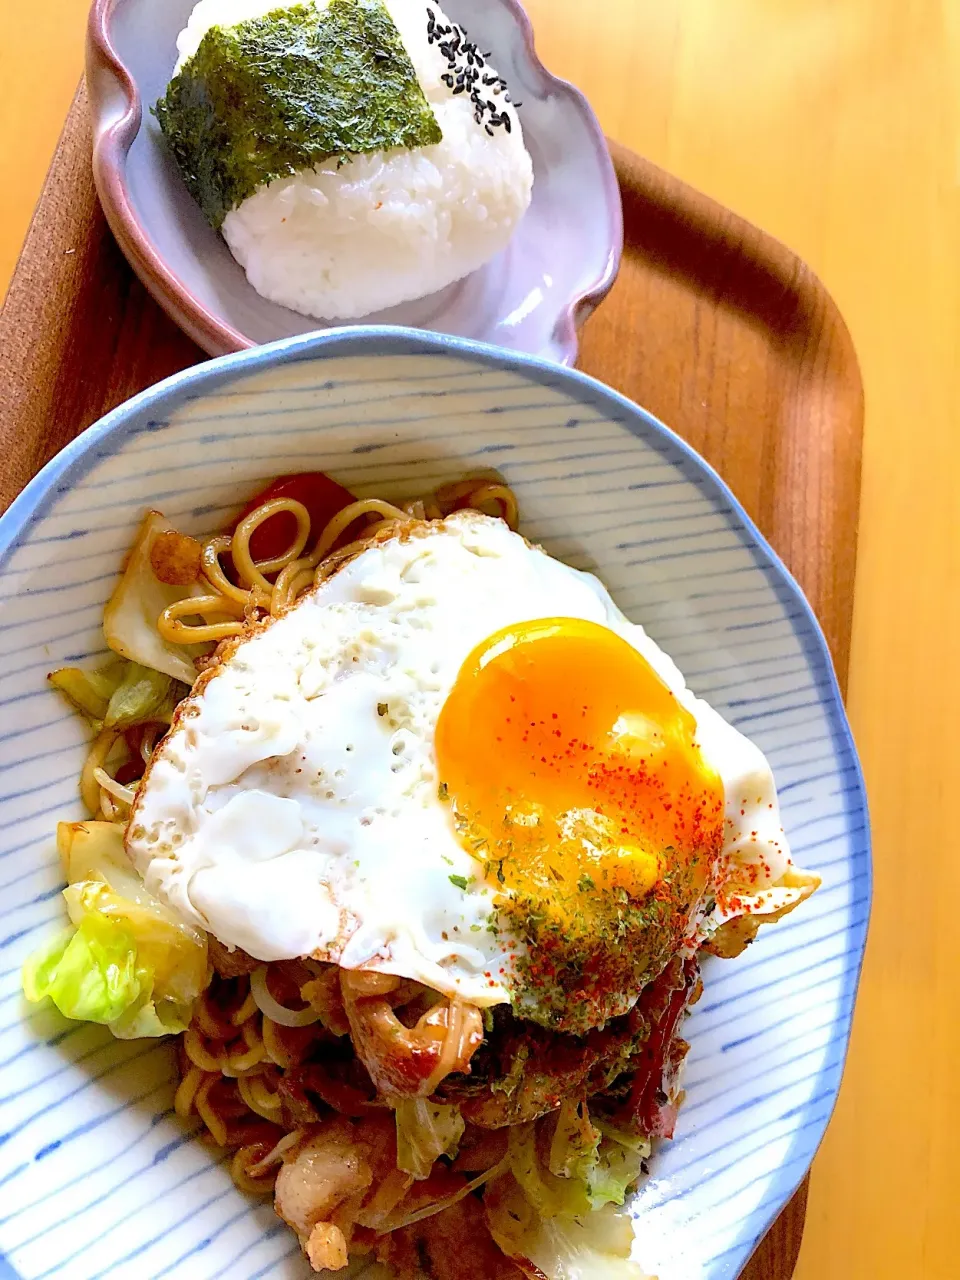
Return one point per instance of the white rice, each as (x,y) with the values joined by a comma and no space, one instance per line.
(389,226)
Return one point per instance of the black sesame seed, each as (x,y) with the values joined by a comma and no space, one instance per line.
(465,63)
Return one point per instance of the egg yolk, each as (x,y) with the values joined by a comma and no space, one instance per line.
(577,782)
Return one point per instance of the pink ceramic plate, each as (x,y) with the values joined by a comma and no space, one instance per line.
(533,297)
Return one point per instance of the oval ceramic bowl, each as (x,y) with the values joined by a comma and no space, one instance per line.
(533,297)
(98,1177)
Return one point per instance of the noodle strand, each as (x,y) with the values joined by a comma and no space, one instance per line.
(210,555)
(171,628)
(90,790)
(252,572)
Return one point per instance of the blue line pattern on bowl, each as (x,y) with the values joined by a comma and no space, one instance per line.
(99,1178)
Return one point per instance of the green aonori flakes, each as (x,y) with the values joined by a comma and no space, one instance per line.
(274,95)
(581,953)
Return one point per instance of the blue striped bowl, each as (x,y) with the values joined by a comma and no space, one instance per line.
(98,1177)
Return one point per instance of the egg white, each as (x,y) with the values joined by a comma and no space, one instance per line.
(293,809)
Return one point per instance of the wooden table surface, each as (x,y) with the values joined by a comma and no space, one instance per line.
(834,124)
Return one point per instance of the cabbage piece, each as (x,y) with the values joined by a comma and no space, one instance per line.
(173,952)
(551,1196)
(89,691)
(425,1131)
(596,1247)
(592,1246)
(120,694)
(616,1170)
(731,936)
(151,1016)
(89,973)
(560,1218)
(586,1170)
(163,713)
(573,1150)
(626,1138)
(129,961)
(606,1160)
(92,851)
(130,618)
(138,697)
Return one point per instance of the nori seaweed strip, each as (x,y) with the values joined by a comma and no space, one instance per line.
(275,95)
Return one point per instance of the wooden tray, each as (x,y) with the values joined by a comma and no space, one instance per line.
(713,326)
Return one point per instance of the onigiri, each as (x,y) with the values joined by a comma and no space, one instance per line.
(354,154)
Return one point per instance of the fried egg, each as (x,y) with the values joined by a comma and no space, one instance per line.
(457,761)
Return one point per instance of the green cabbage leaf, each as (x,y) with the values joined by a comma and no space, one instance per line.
(128,961)
(89,973)
(138,698)
(593,1246)
(556,1208)
(425,1131)
(587,1167)
(120,694)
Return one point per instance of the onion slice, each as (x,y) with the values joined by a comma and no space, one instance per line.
(275,1011)
(431,1209)
(275,1154)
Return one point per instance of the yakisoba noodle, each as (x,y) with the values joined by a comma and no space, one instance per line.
(230,606)
(231,1058)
